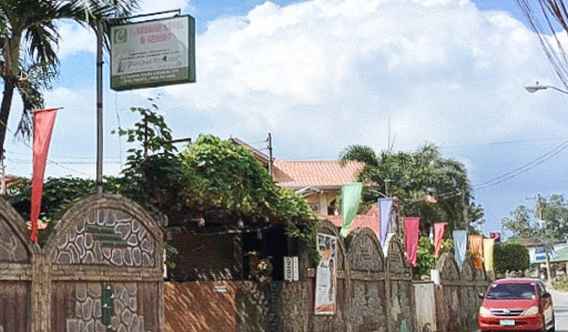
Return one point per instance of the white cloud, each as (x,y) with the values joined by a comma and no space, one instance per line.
(323,74)
(332,72)
(75,39)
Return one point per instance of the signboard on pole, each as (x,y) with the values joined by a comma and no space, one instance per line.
(326,278)
(153,53)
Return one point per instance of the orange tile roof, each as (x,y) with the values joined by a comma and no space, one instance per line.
(315,173)
(360,221)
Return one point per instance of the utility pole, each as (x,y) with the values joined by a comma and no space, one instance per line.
(100,62)
(270,158)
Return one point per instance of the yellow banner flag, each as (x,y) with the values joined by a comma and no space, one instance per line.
(488,250)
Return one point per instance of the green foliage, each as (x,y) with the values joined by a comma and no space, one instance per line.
(210,175)
(58,195)
(511,257)
(220,175)
(153,170)
(547,222)
(425,259)
(410,176)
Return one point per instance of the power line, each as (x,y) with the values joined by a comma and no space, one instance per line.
(48,160)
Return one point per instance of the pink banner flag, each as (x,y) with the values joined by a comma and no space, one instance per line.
(439,231)
(411,234)
(43,127)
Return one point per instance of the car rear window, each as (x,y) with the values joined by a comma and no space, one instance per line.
(511,291)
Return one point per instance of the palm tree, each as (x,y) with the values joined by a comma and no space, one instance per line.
(413,176)
(29,39)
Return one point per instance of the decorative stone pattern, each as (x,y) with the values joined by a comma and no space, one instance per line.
(367,309)
(399,279)
(252,307)
(87,314)
(364,252)
(106,237)
(294,307)
(11,248)
(448,299)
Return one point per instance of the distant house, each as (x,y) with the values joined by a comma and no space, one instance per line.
(319,181)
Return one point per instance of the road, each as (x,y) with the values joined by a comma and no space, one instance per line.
(560,301)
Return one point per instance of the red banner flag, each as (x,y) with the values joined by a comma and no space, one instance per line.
(43,127)
(411,235)
(439,230)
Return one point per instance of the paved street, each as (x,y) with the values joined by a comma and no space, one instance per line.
(561,310)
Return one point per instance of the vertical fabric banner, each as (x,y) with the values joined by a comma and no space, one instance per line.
(476,251)
(460,246)
(411,235)
(43,122)
(350,199)
(385,215)
(326,278)
(439,231)
(488,249)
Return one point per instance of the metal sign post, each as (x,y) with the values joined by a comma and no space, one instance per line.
(100,62)
(144,54)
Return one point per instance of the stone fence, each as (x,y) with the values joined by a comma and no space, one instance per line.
(100,270)
(375,292)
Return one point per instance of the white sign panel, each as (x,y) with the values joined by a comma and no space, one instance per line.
(153,53)
(326,278)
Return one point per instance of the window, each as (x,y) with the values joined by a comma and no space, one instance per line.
(512,291)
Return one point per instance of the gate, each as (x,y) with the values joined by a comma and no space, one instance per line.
(103,269)
(16,258)
(399,289)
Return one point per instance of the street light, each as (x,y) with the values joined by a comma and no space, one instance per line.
(537,87)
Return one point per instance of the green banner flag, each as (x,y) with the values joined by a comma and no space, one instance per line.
(350,199)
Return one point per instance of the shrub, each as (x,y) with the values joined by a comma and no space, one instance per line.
(511,257)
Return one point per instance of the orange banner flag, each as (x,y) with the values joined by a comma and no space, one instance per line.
(476,251)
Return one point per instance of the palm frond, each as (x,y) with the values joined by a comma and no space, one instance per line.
(361,153)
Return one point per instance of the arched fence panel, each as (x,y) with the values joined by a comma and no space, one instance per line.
(367,307)
(400,292)
(448,308)
(105,269)
(338,285)
(16,258)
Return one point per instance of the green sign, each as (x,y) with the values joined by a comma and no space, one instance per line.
(153,53)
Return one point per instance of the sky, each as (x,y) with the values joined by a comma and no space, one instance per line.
(321,75)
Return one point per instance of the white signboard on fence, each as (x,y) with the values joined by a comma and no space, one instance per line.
(326,278)
(153,53)
(291,269)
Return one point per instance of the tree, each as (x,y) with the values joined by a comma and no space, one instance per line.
(548,223)
(511,257)
(520,223)
(29,37)
(410,176)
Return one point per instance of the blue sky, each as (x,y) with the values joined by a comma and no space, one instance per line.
(324,74)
